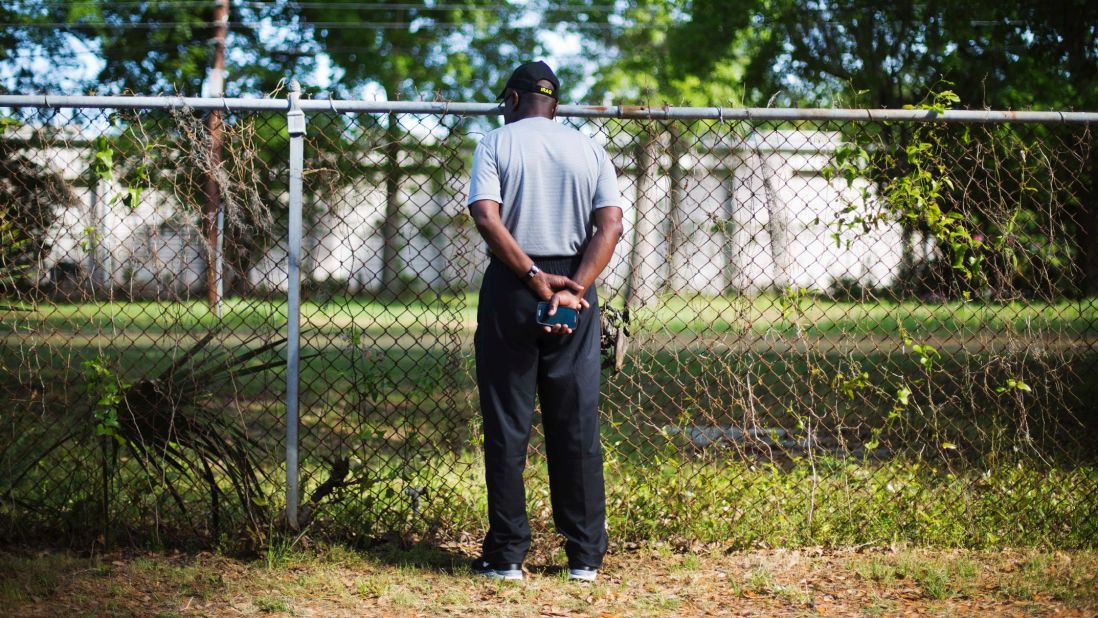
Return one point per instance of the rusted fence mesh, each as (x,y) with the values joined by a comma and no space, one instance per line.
(814,331)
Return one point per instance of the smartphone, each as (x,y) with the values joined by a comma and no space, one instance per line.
(565,316)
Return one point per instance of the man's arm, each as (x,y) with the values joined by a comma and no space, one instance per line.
(600,249)
(548,287)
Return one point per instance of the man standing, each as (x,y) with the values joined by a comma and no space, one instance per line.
(545,199)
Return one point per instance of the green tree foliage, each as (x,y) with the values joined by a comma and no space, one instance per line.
(1019,54)
(635,44)
(152,47)
(158,46)
(458,49)
(1029,54)
(27,39)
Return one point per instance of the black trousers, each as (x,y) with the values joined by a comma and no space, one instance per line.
(516,359)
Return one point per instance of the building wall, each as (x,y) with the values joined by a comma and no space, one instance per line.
(754,214)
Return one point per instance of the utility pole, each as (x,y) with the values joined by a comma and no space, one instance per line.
(215,212)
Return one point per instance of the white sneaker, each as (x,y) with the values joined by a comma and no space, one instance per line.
(582,573)
(509,572)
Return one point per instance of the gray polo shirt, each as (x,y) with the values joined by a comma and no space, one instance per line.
(549,179)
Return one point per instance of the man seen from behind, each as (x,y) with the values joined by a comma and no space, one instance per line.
(545,199)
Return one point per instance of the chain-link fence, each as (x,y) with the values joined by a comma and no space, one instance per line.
(820,326)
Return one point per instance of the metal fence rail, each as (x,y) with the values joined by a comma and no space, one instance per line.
(636,112)
(821,326)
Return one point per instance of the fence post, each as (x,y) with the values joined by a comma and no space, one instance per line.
(295,124)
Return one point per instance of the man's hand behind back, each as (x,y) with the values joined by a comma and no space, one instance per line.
(564,298)
(558,291)
(560,282)
(547,285)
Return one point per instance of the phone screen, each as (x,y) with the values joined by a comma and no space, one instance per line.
(566,316)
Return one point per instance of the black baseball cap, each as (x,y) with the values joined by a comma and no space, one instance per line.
(526,78)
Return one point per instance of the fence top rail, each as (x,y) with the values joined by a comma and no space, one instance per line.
(569,111)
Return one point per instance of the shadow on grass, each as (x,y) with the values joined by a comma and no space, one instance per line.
(422,555)
(434,556)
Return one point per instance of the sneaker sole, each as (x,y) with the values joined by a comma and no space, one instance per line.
(511,576)
(583,576)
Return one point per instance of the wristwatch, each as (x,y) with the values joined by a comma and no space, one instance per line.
(533,272)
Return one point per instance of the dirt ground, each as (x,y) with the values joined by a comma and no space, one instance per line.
(390,581)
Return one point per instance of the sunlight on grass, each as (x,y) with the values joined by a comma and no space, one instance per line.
(702,314)
(326,579)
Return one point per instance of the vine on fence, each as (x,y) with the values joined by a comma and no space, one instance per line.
(987,239)
(916,197)
(107,390)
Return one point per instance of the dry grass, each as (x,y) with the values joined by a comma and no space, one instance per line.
(386,581)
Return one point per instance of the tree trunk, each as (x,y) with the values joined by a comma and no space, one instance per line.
(777,225)
(677,259)
(641,285)
(728,233)
(1078,42)
(313,232)
(906,277)
(98,251)
(213,207)
(214,215)
(907,273)
(391,267)
(242,258)
(1088,230)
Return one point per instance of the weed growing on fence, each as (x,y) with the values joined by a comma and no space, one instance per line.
(708,499)
(676,487)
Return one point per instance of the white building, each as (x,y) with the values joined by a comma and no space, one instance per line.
(752,214)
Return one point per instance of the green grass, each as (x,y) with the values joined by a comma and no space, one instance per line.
(749,506)
(876,569)
(676,499)
(401,406)
(937,576)
(682,500)
(271,605)
(696,313)
(941,576)
(764,314)
(424,579)
(23,578)
(1052,576)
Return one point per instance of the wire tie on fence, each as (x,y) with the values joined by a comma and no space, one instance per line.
(720,114)
(46,100)
(225,104)
(332,104)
